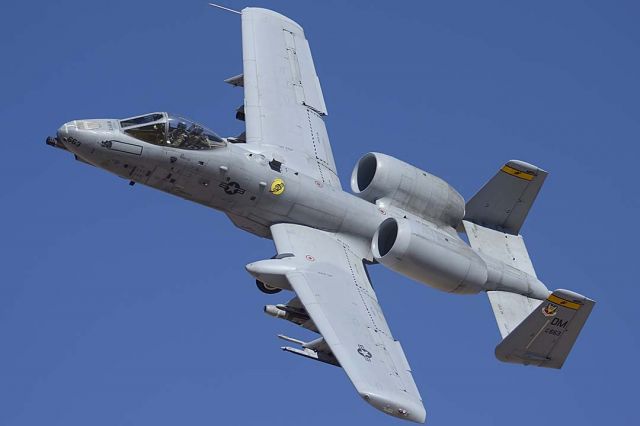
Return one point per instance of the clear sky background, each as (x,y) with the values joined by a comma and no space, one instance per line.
(122,305)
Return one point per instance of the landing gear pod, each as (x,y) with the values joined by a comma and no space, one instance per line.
(266,288)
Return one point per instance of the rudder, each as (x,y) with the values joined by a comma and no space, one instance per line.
(504,202)
(547,335)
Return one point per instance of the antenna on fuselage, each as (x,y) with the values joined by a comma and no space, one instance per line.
(225,8)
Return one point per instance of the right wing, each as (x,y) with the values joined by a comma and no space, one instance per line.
(328,275)
(284,107)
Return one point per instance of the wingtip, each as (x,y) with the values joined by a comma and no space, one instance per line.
(249,11)
(407,410)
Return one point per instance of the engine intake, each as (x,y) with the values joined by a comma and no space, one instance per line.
(429,255)
(381,179)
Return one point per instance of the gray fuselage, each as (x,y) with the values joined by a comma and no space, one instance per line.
(256,191)
(231,178)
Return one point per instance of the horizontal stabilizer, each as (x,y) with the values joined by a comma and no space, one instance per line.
(510,309)
(504,202)
(547,335)
(507,248)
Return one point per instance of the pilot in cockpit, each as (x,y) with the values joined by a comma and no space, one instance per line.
(178,135)
(197,137)
(174,131)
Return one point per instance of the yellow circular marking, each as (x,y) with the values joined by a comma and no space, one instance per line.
(277,186)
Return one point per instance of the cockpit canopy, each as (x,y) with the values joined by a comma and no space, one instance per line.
(161,128)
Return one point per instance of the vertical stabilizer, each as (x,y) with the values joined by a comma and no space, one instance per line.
(547,335)
(538,330)
(504,202)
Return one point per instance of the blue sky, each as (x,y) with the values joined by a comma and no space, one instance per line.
(125,306)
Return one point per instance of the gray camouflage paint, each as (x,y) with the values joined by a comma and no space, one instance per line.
(237,179)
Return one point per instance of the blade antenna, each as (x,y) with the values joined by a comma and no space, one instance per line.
(225,8)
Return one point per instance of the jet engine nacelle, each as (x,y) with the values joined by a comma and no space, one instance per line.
(429,256)
(379,178)
(442,260)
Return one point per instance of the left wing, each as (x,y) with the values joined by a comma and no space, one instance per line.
(283,102)
(327,273)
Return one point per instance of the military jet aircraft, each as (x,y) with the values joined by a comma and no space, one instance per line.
(278,180)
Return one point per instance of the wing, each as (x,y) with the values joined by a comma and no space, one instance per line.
(283,105)
(329,277)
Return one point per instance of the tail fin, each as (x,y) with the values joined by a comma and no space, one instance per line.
(534,331)
(547,335)
(504,202)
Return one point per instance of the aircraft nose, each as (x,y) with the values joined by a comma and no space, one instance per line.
(68,135)
(65,130)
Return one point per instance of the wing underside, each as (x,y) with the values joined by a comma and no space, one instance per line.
(284,107)
(332,285)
